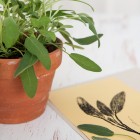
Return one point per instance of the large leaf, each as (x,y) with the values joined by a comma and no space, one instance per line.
(37,49)
(29,81)
(27,61)
(87,40)
(96,129)
(10,32)
(85,62)
(117,102)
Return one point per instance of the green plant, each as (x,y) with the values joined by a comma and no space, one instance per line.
(27,28)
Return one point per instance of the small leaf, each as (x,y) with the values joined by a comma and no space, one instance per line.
(87,40)
(99,138)
(37,49)
(10,32)
(117,102)
(87,108)
(29,81)
(50,36)
(42,22)
(85,62)
(104,109)
(96,129)
(27,61)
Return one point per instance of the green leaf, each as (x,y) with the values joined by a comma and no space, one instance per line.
(42,22)
(37,49)
(60,13)
(96,129)
(0,31)
(85,62)
(87,40)
(27,61)
(10,32)
(74,46)
(1,2)
(29,81)
(66,35)
(99,138)
(50,36)
(87,19)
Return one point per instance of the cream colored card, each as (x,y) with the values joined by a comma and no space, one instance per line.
(104,91)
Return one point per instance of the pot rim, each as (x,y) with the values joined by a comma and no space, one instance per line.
(11,59)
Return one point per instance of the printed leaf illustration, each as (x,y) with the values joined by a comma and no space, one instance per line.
(104,109)
(98,138)
(87,108)
(96,129)
(117,102)
(116,105)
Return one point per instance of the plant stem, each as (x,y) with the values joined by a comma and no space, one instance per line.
(125,136)
(119,126)
(127,127)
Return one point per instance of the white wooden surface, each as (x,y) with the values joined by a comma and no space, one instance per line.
(119,51)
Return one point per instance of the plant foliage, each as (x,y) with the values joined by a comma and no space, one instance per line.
(28,27)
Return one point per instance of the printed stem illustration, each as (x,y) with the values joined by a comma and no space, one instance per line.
(115,124)
(127,127)
(125,136)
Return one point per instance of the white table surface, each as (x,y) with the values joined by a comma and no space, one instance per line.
(119,52)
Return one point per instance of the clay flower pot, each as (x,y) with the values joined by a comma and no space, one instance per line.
(15,105)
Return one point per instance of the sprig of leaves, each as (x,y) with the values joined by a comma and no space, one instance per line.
(108,114)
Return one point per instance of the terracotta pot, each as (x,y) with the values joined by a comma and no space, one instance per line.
(15,105)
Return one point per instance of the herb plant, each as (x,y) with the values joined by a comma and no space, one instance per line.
(27,28)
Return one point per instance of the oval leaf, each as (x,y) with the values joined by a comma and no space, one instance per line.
(37,49)
(99,138)
(104,109)
(29,81)
(96,129)
(27,61)
(117,102)
(85,62)
(10,33)
(87,40)
(87,108)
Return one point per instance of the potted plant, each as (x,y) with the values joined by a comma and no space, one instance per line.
(30,52)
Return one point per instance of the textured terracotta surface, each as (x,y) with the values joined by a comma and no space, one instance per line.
(15,106)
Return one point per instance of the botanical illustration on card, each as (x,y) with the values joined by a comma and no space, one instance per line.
(108,114)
